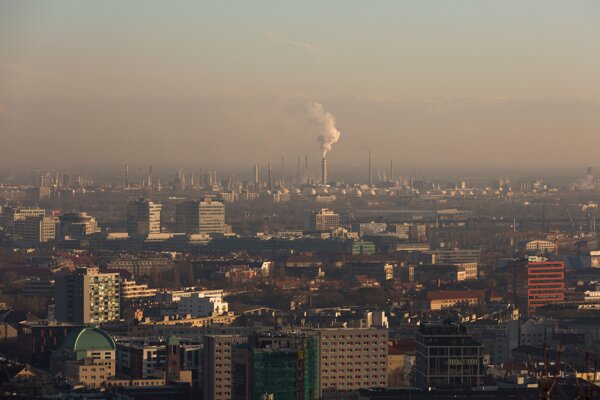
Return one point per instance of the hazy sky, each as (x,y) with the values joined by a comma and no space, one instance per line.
(198,83)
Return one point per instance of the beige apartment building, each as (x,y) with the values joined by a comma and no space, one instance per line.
(351,359)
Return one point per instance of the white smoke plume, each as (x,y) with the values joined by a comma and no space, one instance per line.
(329,135)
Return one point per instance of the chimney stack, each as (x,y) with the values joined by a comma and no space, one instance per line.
(269,183)
(370,169)
(256,175)
(324,171)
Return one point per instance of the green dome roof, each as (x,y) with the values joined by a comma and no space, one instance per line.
(88,339)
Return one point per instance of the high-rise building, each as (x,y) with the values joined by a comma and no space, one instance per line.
(535,284)
(217,378)
(87,296)
(280,364)
(352,359)
(448,356)
(143,217)
(37,229)
(200,216)
(322,220)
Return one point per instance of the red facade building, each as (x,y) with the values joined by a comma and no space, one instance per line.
(545,283)
(535,284)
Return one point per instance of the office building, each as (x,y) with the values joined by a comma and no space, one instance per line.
(322,220)
(200,216)
(77,224)
(217,378)
(351,359)
(88,297)
(369,228)
(141,358)
(198,305)
(280,364)
(413,232)
(535,284)
(38,339)
(10,215)
(143,217)
(36,229)
(450,256)
(447,356)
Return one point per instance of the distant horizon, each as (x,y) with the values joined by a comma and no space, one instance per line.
(228,83)
(339,173)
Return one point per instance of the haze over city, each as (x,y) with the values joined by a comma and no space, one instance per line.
(299,200)
(212,84)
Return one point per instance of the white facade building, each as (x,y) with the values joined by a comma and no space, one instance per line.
(198,305)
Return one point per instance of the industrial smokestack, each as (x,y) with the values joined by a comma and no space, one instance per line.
(282,171)
(269,183)
(256,175)
(370,169)
(324,171)
(391,170)
(126,175)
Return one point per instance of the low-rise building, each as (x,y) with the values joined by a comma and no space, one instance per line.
(441,299)
(540,247)
(38,339)
(199,305)
(132,291)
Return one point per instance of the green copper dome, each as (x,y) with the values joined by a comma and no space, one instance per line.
(88,339)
